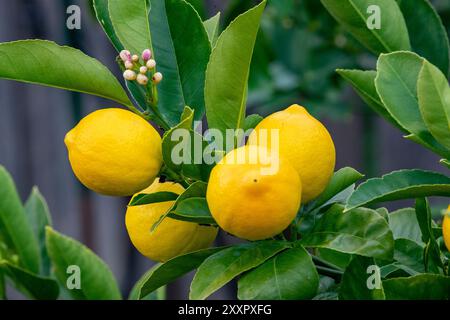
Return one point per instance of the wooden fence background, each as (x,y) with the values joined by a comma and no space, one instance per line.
(34,120)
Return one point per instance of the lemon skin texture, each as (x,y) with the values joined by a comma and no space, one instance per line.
(172,237)
(249,203)
(114,152)
(306,143)
(446,228)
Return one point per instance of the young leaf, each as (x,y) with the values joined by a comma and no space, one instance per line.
(167,272)
(404,225)
(419,287)
(397,185)
(182,63)
(39,217)
(143,199)
(46,63)
(228,71)
(290,275)
(222,267)
(434,102)
(429,38)
(212,26)
(96,279)
(356,280)
(33,285)
(15,226)
(101,8)
(360,231)
(193,210)
(389,35)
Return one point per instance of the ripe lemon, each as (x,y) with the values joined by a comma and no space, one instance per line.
(305,142)
(114,152)
(252,198)
(172,237)
(446,228)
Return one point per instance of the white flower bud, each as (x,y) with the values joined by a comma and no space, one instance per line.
(129,75)
(157,77)
(146,55)
(151,64)
(125,55)
(135,58)
(142,80)
(143,70)
(129,65)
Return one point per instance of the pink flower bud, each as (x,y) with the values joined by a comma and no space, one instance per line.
(135,58)
(125,55)
(146,54)
(143,70)
(129,65)
(129,75)
(142,80)
(157,77)
(151,64)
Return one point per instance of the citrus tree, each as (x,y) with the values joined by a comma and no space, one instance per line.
(310,233)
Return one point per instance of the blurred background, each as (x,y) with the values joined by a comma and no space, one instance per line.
(297,51)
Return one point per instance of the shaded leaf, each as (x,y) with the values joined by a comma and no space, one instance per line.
(252,121)
(143,199)
(404,225)
(419,287)
(101,8)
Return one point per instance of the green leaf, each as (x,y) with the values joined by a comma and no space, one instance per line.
(290,275)
(2,286)
(364,84)
(404,225)
(46,63)
(165,273)
(339,259)
(445,162)
(429,38)
(14,225)
(353,15)
(193,210)
(357,278)
(130,22)
(341,180)
(384,213)
(360,231)
(410,254)
(433,93)
(39,217)
(252,121)
(419,287)
(101,8)
(212,26)
(182,63)
(397,185)
(143,199)
(222,267)
(35,286)
(97,280)
(228,71)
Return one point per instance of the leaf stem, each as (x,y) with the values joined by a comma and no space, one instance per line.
(335,274)
(326,264)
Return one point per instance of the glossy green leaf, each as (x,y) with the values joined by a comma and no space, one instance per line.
(143,199)
(252,121)
(39,217)
(339,259)
(364,84)
(384,213)
(404,225)
(193,210)
(101,8)
(410,254)
(226,95)
(130,22)
(182,63)
(46,63)
(428,35)
(360,231)
(165,273)
(359,281)
(96,282)
(354,16)
(402,184)
(212,26)
(433,92)
(33,285)
(14,225)
(290,275)
(222,267)
(419,287)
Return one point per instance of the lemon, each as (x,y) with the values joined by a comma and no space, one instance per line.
(172,237)
(253,196)
(446,228)
(114,152)
(305,142)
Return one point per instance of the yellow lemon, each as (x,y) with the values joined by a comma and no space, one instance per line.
(114,152)
(305,142)
(253,194)
(446,228)
(172,237)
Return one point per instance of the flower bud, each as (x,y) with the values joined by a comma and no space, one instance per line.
(151,64)
(143,70)
(142,80)
(146,55)
(125,55)
(129,65)
(135,58)
(157,77)
(129,75)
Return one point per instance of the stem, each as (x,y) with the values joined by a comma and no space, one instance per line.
(326,264)
(336,275)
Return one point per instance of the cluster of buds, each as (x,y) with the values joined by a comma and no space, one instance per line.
(140,70)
